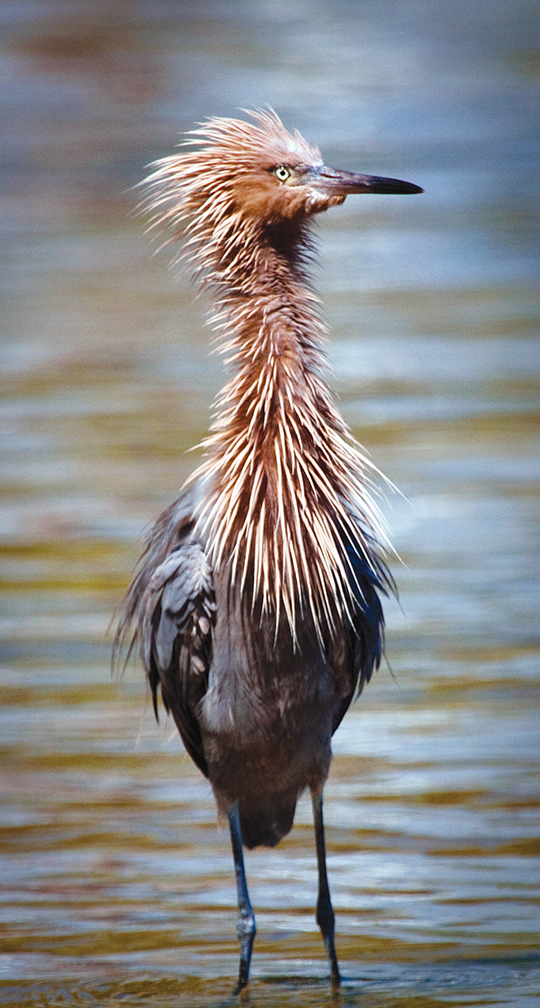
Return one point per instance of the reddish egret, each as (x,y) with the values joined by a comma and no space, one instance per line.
(256,602)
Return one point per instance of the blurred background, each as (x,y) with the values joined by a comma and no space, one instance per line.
(116,884)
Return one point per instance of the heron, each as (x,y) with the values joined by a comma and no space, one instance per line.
(257,601)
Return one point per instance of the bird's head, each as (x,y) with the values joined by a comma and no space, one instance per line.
(244,176)
(280,176)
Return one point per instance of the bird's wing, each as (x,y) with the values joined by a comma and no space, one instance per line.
(354,656)
(369,620)
(177,614)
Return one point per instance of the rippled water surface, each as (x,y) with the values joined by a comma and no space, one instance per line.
(116,882)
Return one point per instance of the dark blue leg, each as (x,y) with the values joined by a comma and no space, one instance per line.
(325,913)
(245,927)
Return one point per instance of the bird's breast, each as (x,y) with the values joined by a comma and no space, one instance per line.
(261,680)
(266,719)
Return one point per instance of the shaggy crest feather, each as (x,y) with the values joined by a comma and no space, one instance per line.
(288,488)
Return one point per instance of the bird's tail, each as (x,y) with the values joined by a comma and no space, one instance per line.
(265,819)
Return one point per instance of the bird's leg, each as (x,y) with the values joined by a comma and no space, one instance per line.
(245,927)
(325,913)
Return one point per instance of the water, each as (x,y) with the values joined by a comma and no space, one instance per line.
(116,883)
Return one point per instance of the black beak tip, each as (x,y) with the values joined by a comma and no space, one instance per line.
(396,186)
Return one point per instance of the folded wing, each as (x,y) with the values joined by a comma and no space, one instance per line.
(177,615)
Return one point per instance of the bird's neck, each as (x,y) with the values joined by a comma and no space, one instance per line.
(273,342)
(276,403)
(283,474)
(272,337)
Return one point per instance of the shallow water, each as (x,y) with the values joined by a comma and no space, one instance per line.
(116,883)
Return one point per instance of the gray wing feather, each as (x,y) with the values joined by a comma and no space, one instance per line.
(355,656)
(171,600)
(175,633)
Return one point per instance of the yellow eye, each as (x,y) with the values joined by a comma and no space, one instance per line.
(282,173)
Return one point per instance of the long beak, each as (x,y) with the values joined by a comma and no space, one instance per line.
(343,183)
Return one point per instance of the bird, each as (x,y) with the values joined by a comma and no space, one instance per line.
(257,601)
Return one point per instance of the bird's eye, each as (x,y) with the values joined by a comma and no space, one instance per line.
(282,173)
